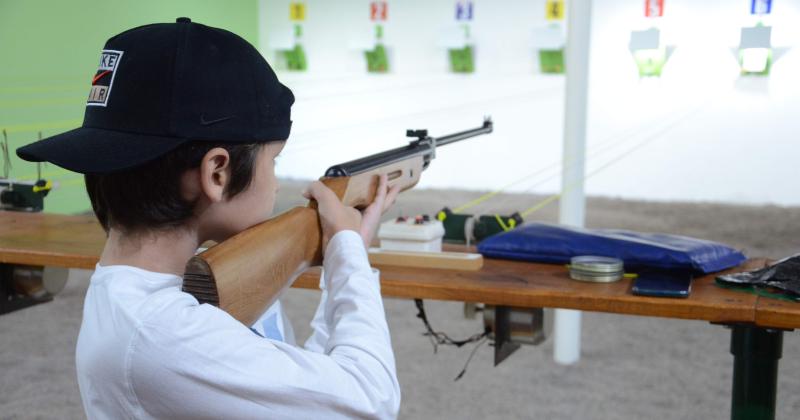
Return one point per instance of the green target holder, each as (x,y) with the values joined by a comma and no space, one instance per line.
(649,52)
(296,56)
(756,54)
(551,61)
(462,60)
(377,58)
(650,63)
(462,57)
(549,43)
(764,72)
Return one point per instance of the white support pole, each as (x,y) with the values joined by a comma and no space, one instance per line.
(567,347)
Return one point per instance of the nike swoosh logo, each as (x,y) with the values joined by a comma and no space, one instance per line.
(204,121)
(99,76)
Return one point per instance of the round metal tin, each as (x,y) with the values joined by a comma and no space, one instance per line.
(596,269)
(602,278)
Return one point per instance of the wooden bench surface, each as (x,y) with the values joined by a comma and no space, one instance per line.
(76,242)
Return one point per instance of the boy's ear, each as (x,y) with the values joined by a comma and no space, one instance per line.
(215,173)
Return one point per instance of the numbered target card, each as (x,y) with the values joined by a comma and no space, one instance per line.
(653,8)
(296,56)
(377,58)
(649,52)
(550,40)
(460,51)
(554,10)
(760,7)
(756,54)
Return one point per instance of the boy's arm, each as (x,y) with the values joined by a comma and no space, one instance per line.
(319,329)
(218,368)
(334,217)
(353,307)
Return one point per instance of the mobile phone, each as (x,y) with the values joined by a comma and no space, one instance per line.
(660,284)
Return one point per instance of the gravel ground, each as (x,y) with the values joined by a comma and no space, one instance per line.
(631,367)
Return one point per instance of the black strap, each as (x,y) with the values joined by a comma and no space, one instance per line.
(438,338)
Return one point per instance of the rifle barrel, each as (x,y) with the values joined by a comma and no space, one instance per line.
(425,147)
(452,138)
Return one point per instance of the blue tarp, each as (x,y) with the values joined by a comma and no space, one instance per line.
(541,242)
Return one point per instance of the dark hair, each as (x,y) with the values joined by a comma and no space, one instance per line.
(149,196)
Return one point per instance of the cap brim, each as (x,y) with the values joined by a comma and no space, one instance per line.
(98,151)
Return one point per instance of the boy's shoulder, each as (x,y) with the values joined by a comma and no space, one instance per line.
(152,318)
(143,342)
(144,298)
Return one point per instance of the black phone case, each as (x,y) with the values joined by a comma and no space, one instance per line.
(663,285)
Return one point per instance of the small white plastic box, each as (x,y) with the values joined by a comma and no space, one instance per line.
(407,235)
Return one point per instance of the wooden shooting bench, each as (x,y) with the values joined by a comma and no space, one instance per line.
(757,323)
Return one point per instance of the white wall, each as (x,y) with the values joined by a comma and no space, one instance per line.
(699,133)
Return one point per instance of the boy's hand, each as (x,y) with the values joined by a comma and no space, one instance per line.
(336,217)
(371,217)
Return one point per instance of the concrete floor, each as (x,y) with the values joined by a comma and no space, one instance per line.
(631,367)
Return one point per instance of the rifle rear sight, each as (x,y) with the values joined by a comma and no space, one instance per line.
(419,134)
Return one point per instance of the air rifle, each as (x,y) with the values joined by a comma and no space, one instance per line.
(245,274)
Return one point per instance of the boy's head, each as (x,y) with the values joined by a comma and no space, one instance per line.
(171,107)
(221,188)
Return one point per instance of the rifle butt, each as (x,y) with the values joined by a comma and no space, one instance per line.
(245,274)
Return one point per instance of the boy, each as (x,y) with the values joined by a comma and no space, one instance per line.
(182,126)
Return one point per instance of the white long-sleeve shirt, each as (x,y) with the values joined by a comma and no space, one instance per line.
(148,350)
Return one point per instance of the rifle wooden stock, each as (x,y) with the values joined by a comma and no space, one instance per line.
(245,274)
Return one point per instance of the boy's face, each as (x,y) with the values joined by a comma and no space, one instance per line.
(253,205)
(258,200)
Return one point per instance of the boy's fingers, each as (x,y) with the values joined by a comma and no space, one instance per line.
(320,192)
(391,196)
(376,206)
(380,193)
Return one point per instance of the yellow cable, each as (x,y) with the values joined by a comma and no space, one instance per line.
(491,194)
(541,205)
(500,221)
(647,140)
(598,150)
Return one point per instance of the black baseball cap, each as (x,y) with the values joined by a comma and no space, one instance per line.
(162,85)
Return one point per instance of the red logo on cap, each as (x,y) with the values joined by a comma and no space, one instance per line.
(101,85)
(99,76)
